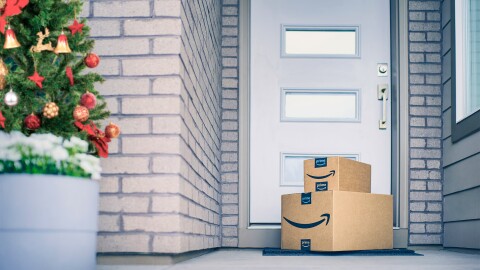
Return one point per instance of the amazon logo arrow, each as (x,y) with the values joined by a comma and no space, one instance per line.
(309,225)
(332,173)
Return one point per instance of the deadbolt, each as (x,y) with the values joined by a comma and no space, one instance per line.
(382,70)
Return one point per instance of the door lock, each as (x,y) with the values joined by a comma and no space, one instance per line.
(382,94)
(382,70)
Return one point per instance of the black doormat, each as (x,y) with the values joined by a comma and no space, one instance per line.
(381,252)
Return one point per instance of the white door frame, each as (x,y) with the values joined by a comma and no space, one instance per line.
(269,236)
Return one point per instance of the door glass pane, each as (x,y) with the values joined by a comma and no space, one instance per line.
(292,165)
(320,105)
(320,41)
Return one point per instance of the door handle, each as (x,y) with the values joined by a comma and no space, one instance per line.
(382,93)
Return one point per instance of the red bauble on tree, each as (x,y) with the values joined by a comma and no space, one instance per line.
(81,114)
(32,122)
(88,100)
(92,60)
(112,131)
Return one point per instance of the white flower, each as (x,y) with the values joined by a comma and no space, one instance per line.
(77,144)
(12,155)
(59,153)
(43,148)
(52,139)
(89,164)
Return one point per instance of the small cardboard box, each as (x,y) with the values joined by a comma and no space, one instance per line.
(337,221)
(336,173)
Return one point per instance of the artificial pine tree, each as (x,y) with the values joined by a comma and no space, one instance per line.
(43,84)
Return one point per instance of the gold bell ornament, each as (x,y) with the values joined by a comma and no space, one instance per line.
(62,44)
(10,39)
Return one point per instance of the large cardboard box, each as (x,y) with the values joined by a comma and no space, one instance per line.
(336,173)
(337,221)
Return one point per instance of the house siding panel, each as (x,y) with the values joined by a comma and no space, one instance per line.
(455,205)
(161,187)
(460,162)
(464,234)
(463,149)
(425,108)
(463,172)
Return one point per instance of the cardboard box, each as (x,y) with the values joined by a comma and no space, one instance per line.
(336,173)
(337,221)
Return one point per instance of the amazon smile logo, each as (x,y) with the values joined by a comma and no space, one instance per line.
(306,200)
(326,217)
(305,244)
(332,173)
(320,162)
(321,186)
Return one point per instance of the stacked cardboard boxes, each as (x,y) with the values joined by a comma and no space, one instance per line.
(337,212)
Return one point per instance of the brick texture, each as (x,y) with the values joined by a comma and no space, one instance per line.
(160,191)
(201,94)
(229,146)
(425,97)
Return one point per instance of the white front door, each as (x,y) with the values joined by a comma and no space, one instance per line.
(316,67)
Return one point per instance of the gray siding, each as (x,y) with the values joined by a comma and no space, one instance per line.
(461,163)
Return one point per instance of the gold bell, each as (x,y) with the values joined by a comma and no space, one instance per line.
(62,44)
(10,39)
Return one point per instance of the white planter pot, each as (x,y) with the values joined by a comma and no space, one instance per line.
(47,222)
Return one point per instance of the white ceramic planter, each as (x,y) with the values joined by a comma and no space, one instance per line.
(47,222)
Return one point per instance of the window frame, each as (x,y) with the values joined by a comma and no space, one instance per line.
(339,91)
(311,27)
(470,124)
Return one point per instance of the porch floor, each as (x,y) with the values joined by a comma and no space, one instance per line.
(251,259)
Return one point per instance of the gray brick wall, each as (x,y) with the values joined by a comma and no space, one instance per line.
(201,94)
(425,88)
(229,147)
(162,60)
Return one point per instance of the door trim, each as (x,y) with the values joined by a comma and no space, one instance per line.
(261,236)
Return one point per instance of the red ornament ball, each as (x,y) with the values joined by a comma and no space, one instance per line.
(81,114)
(32,122)
(88,100)
(92,60)
(112,131)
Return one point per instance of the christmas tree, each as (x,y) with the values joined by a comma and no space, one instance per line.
(44,85)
